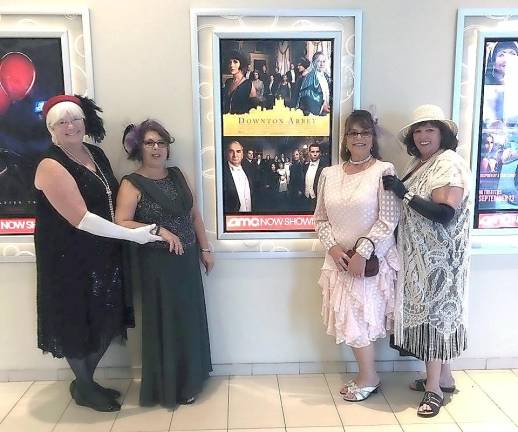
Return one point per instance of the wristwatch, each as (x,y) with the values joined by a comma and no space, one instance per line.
(205,250)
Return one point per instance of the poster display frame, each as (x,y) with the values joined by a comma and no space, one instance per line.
(207,22)
(472,24)
(72,26)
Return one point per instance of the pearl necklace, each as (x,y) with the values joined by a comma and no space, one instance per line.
(101,178)
(367,159)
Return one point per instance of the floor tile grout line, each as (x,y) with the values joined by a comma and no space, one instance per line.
(484,392)
(228,401)
(392,409)
(16,403)
(62,414)
(280,400)
(171,421)
(131,382)
(170,428)
(390,406)
(254,428)
(490,398)
(333,399)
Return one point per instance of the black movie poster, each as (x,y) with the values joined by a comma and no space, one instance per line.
(31,71)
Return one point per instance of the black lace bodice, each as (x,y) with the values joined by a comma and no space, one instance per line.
(177,218)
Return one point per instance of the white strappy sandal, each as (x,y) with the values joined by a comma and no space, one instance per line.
(360,393)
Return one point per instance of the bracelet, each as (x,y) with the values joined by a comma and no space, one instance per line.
(205,250)
(156,231)
(408,197)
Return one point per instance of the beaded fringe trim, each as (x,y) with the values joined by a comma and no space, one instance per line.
(428,344)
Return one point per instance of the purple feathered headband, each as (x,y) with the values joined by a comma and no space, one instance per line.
(134,134)
(130,138)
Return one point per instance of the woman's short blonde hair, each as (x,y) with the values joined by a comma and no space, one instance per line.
(58,112)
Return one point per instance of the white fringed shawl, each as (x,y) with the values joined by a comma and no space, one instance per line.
(431,300)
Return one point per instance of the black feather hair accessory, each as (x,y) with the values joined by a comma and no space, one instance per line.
(94,126)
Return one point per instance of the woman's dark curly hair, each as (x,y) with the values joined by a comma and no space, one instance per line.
(448,139)
(362,118)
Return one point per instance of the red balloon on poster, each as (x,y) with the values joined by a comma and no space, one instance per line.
(4,101)
(17,75)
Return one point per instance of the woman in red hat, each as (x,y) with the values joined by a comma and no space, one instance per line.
(81,302)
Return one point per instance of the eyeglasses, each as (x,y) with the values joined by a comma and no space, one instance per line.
(161,144)
(362,134)
(64,123)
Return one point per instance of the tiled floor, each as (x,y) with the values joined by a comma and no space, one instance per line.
(486,401)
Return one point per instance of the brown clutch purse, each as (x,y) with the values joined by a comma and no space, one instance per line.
(372,266)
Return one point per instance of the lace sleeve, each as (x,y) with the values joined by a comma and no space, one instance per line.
(388,217)
(450,170)
(322,224)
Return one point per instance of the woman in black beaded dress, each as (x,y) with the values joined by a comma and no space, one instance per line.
(175,340)
(81,302)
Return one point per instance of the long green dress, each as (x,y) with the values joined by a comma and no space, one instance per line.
(175,340)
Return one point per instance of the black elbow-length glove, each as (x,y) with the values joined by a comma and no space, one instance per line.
(442,213)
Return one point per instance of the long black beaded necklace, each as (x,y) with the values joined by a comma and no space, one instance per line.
(101,178)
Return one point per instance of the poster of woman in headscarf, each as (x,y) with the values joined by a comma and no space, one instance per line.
(497,199)
(276,104)
(31,70)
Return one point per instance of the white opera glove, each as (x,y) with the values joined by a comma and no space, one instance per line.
(101,227)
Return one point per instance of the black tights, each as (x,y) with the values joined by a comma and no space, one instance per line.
(84,367)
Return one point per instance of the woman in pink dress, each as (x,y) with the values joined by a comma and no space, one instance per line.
(351,203)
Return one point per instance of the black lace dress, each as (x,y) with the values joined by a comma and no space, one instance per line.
(175,339)
(80,298)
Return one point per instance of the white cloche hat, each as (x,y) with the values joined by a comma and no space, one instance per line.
(426,113)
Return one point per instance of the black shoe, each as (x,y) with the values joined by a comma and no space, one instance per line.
(90,398)
(420,386)
(187,401)
(434,402)
(111,393)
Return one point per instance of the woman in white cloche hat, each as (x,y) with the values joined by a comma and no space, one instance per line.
(433,242)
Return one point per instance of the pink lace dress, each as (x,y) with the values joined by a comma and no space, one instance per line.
(357,310)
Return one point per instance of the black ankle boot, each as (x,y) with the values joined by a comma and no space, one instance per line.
(87,395)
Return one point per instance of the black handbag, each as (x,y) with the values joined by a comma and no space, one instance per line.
(372,266)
